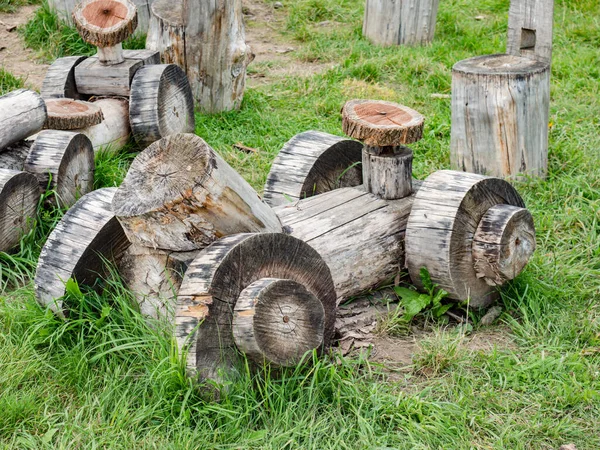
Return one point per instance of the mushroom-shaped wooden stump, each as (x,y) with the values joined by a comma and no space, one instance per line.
(69,114)
(384,128)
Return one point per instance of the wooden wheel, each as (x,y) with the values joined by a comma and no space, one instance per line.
(312,163)
(161,103)
(444,219)
(216,279)
(19,195)
(86,237)
(62,161)
(60,79)
(68,114)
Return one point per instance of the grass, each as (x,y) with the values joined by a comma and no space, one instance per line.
(10,6)
(8,82)
(108,379)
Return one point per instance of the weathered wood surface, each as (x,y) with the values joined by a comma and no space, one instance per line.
(216,278)
(278,321)
(62,161)
(22,113)
(530,24)
(113,132)
(445,215)
(19,196)
(86,237)
(60,79)
(166,32)
(388,175)
(180,195)
(500,109)
(311,163)
(400,22)
(94,78)
(69,114)
(503,244)
(359,236)
(161,103)
(65,8)
(106,24)
(13,157)
(154,276)
(147,57)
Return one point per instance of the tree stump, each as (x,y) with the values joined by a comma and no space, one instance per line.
(87,237)
(22,113)
(400,22)
(215,280)
(384,127)
(312,163)
(180,195)
(106,24)
(161,103)
(68,114)
(60,79)
(19,196)
(113,132)
(62,161)
(166,32)
(444,220)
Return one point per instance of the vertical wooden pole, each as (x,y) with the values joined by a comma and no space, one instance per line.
(530,29)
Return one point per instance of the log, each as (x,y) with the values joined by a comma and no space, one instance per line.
(278,321)
(13,157)
(94,78)
(500,109)
(216,53)
(106,24)
(87,237)
(503,244)
(147,57)
(22,113)
(447,211)
(214,281)
(401,22)
(154,277)
(180,195)
(166,32)
(388,175)
(161,103)
(19,198)
(60,79)
(530,29)
(62,161)
(312,163)
(113,132)
(69,114)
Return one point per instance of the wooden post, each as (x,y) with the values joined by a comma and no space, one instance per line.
(400,22)
(22,113)
(166,33)
(19,196)
(530,24)
(384,127)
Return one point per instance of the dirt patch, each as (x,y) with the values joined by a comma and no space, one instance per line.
(14,57)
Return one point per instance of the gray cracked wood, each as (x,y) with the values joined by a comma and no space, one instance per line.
(94,78)
(312,163)
(388,175)
(19,196)
(59,81)
(22,113)
(530,24)
(166,32)
(14,156)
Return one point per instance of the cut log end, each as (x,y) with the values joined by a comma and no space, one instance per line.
(379,123)
(105,23)
(19,195)
(68,114)
(500,64)
(278,321)
(503,243)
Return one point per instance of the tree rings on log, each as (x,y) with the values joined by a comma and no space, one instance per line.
(105,23)
(22,113)
(86,238)
(214,281)
(180,195)
(68,114)
(19,196)
(278,321)
(60,79)
(311,163)
(62,161)
(161,103)
(378,123)
(503,243)
(444,218)
(388,175)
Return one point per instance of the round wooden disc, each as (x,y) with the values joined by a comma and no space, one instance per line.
(105,23)
(161,103)
(445,215)
(19,195)
(378,123)
(214,281)
(278,321)
(501,64)
(68,114)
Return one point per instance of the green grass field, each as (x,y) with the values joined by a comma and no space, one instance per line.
(108,379)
